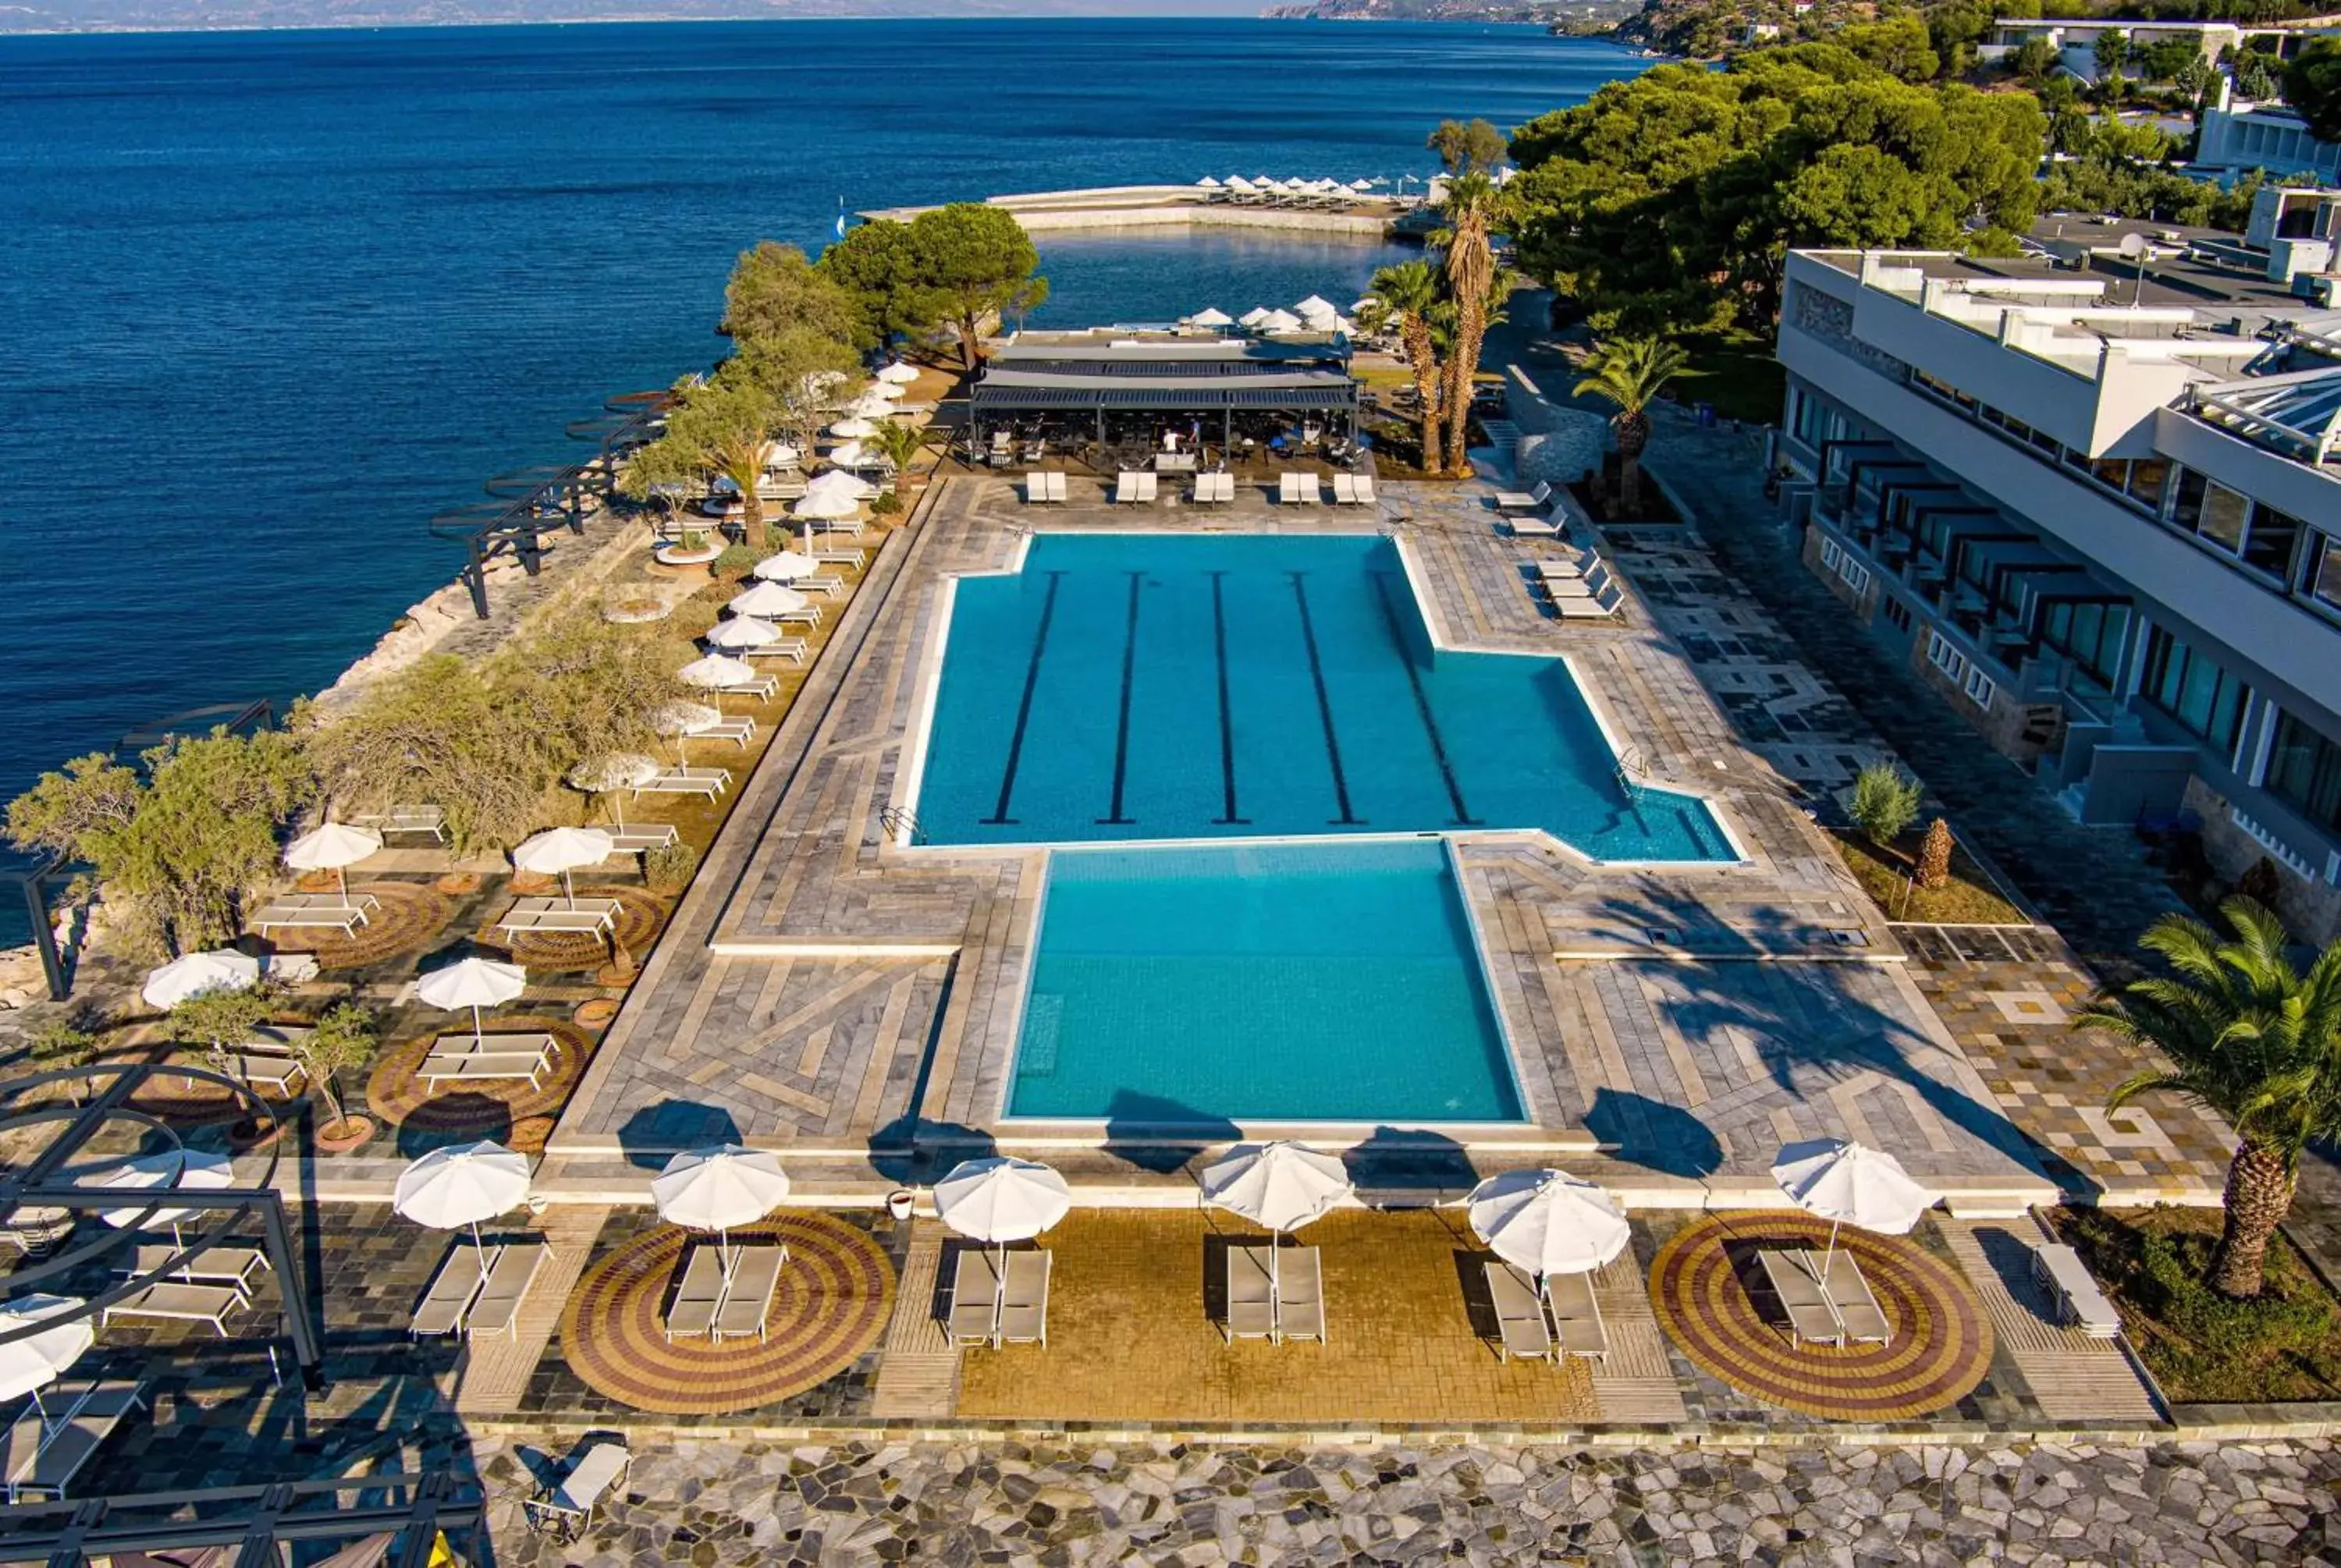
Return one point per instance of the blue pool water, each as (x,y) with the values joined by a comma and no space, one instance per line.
(1128,688)
(1316,982)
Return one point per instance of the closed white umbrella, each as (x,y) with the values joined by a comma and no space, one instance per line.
(453,1187)
(852,429)
(1845,1183)
(1210,316)
(177,1167)
(786,567)
(560,850)
(473,983)
(332,848)
(193,973)
(613,772)
(1548,1222)
(1281,1185)
(743,631)
(767,599)
(29,1364)
(716,670)
(719,1188)
(897,374)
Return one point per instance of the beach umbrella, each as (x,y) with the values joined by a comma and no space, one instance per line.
(1210,316)
(1000,1199)
(871,404)
(1314,302)
(1279,321)
(827,503)
(852,430)
(612,773)
(460,1185)
(848,454)
(29,1364)
(717,669)
(1252,317)
(897,374)
(717,1189)
(767,599)
(1239,184)
(1279,1184)
(887,392)
(838,481)
(332,848)
(1207,184)
(780,455)
(560,850)
(743,631)
(473,983)
(1548,1222)
(175,1167)
(683,720)
(193,973)
(1361,186)
(785,566)
(1845,1183)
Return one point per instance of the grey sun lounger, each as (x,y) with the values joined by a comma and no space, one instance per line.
(1294,488)
(1810,1317)
(700,1292)
(568,1508)
(739,732)
(263,1072)
(1587,583)
(483,1066)
(496,1309)
(708,781)
(858,558)
(2060,1272)
(1251,1298)
(588,916)
(183,1302)
(1576,564)
(636,840)
(975,1298)
(1521,1328)
(760,687)
(748,1294)
(1533,527)
(233,1266)
(42,1456)
(295,913)
(1849,1294)
(453,1289)
(1524,501)
(828,584)
(431,820)
(1601,606)
(1301,1294)
(1024,1300)
(795,649)
(1576,1315)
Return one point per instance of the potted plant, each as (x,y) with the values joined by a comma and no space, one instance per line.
(344,1038)
(694,549)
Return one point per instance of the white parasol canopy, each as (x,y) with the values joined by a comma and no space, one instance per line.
(743,631)
(175,1167)
(1548,1222)
(1845,1183)
(1207,184)
(767,599)
(827,503)
(686,718)
(560,850)
(193,973)
(1361,186)
(1210,316)
(890,392)
(780,455)
(611,772)
(785,566)
(1001,1200)
(473,983)
(1239,184)
(716,670)
(461,1186)
(852,429)
(1252,317)
(837,482)
(898,374)
(29,1364)
(847,455)
(870,404)
(1314,304)
(719,1188)
(1282,1185)
(1279,321)
(332,848)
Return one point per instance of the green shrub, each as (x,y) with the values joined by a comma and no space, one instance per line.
(886,506)
(694,617)
(737,560)
(669,867)
(1884,803)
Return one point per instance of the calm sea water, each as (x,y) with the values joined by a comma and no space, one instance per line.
(271,299)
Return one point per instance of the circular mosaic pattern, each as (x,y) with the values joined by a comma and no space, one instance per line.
(832,1306)
(480,1108)
(184,1102)
(1939,1349)
(411,914)
(636,926)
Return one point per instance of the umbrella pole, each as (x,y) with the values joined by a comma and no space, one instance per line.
(480,1248)
(479,1035)
(1826,1252)
(342,876)
(999,1292)
(1275,1287)
(568,890)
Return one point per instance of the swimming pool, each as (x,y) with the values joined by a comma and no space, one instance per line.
(1126,687)
(1259,982)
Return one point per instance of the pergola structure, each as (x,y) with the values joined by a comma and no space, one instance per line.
(248,1526)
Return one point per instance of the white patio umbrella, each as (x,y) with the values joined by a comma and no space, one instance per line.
(717,669)
(1279,321)
(332,848)
(897,374)
(1312,304)
(1207,184)
(785,566)
(871,404)
(193,973)
(780,455)
(1210,316)
(830,504)
(846,455)
(1252,317)
(1237,184)
(743,631)
(177,1167)
(1845,1183)
(29,1364)
(838,481)
(560,850)
(1361,186)
(889,392)
(683,720)
(767,599)
(852,429)
(1000,1199)
(1548,1222)
(1281,1185)
(719,1188)
(473,983)
(460,1185)
(612,773)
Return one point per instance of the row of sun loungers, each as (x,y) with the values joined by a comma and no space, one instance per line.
(717,1304)
(1275,1297)
(473,1295)
(468,1059)
(559,915)
(1137,487)
(711,782)
(994,1306)
(43,1455)
(316,911)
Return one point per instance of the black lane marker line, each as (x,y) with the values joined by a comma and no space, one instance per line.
(1463,818)
(1228,818)
(1113,817)
(1000,817)
(1348,819)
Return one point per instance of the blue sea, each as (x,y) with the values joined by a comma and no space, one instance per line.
(270,300)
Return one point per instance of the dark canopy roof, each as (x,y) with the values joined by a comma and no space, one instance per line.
(1165,378)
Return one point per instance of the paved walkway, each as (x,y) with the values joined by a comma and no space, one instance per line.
(710,1505)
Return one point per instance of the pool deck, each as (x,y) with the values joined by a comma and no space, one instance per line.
(852,1005)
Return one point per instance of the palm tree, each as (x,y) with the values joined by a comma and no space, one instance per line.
(1470,266)
(1628,372)
(899,444)
(1407,294)
(2253,1039)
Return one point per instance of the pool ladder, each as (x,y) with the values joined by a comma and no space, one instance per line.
(1632,773)
(901,827)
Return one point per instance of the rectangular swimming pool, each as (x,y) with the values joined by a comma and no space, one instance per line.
(1125,687)
(1259,982)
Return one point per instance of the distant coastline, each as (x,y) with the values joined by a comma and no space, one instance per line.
(31,21)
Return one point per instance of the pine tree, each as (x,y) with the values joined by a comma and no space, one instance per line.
(1935,855)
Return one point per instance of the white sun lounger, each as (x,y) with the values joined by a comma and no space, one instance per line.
(1353,489)
(708,781)
(1134,487)
(795,649)
(2060,1272)
(1566,585)
(974,1316)
(560,915)
(209,1304)
(453,1290)
(43,1455)
(311,912)
(809,616)
(1524,501)
(1849,1295)
(1024,1299)
(275,1073)
(233,1266)
(483,1066)
(637,840)
(1608,601)
(748,1294)
(1294,488)
(760,687)
(496,1309)
(1251,1293)
(1522,1327)
(1811,1318)
(1576,564)
(856,557)
(1576,1315)
(739,732)
(568,1508)
(1041,486)
(1301,1294)
(1214,489)
(827,583)
(431,820)
(698,1295)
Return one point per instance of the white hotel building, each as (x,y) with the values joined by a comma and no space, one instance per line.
(2106,533)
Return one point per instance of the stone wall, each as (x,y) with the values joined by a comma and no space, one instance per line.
(2310,905)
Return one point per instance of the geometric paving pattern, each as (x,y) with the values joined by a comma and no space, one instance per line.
(409,913)
(1705,1282)
(835,1294)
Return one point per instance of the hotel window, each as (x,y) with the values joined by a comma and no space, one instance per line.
(2268,546)
(2090,634)
(1899,613)
(2194,689)
(1979,688)
(2304,771)
(2323,579)
(2210,510)
(2147,475)
(1946,658)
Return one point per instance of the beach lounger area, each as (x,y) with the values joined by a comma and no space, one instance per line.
(1000,1300)
(560,915)
(316,911)
(711,1303)
(488,1058)
(42,1456)
(1275,1293)
(711,782)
